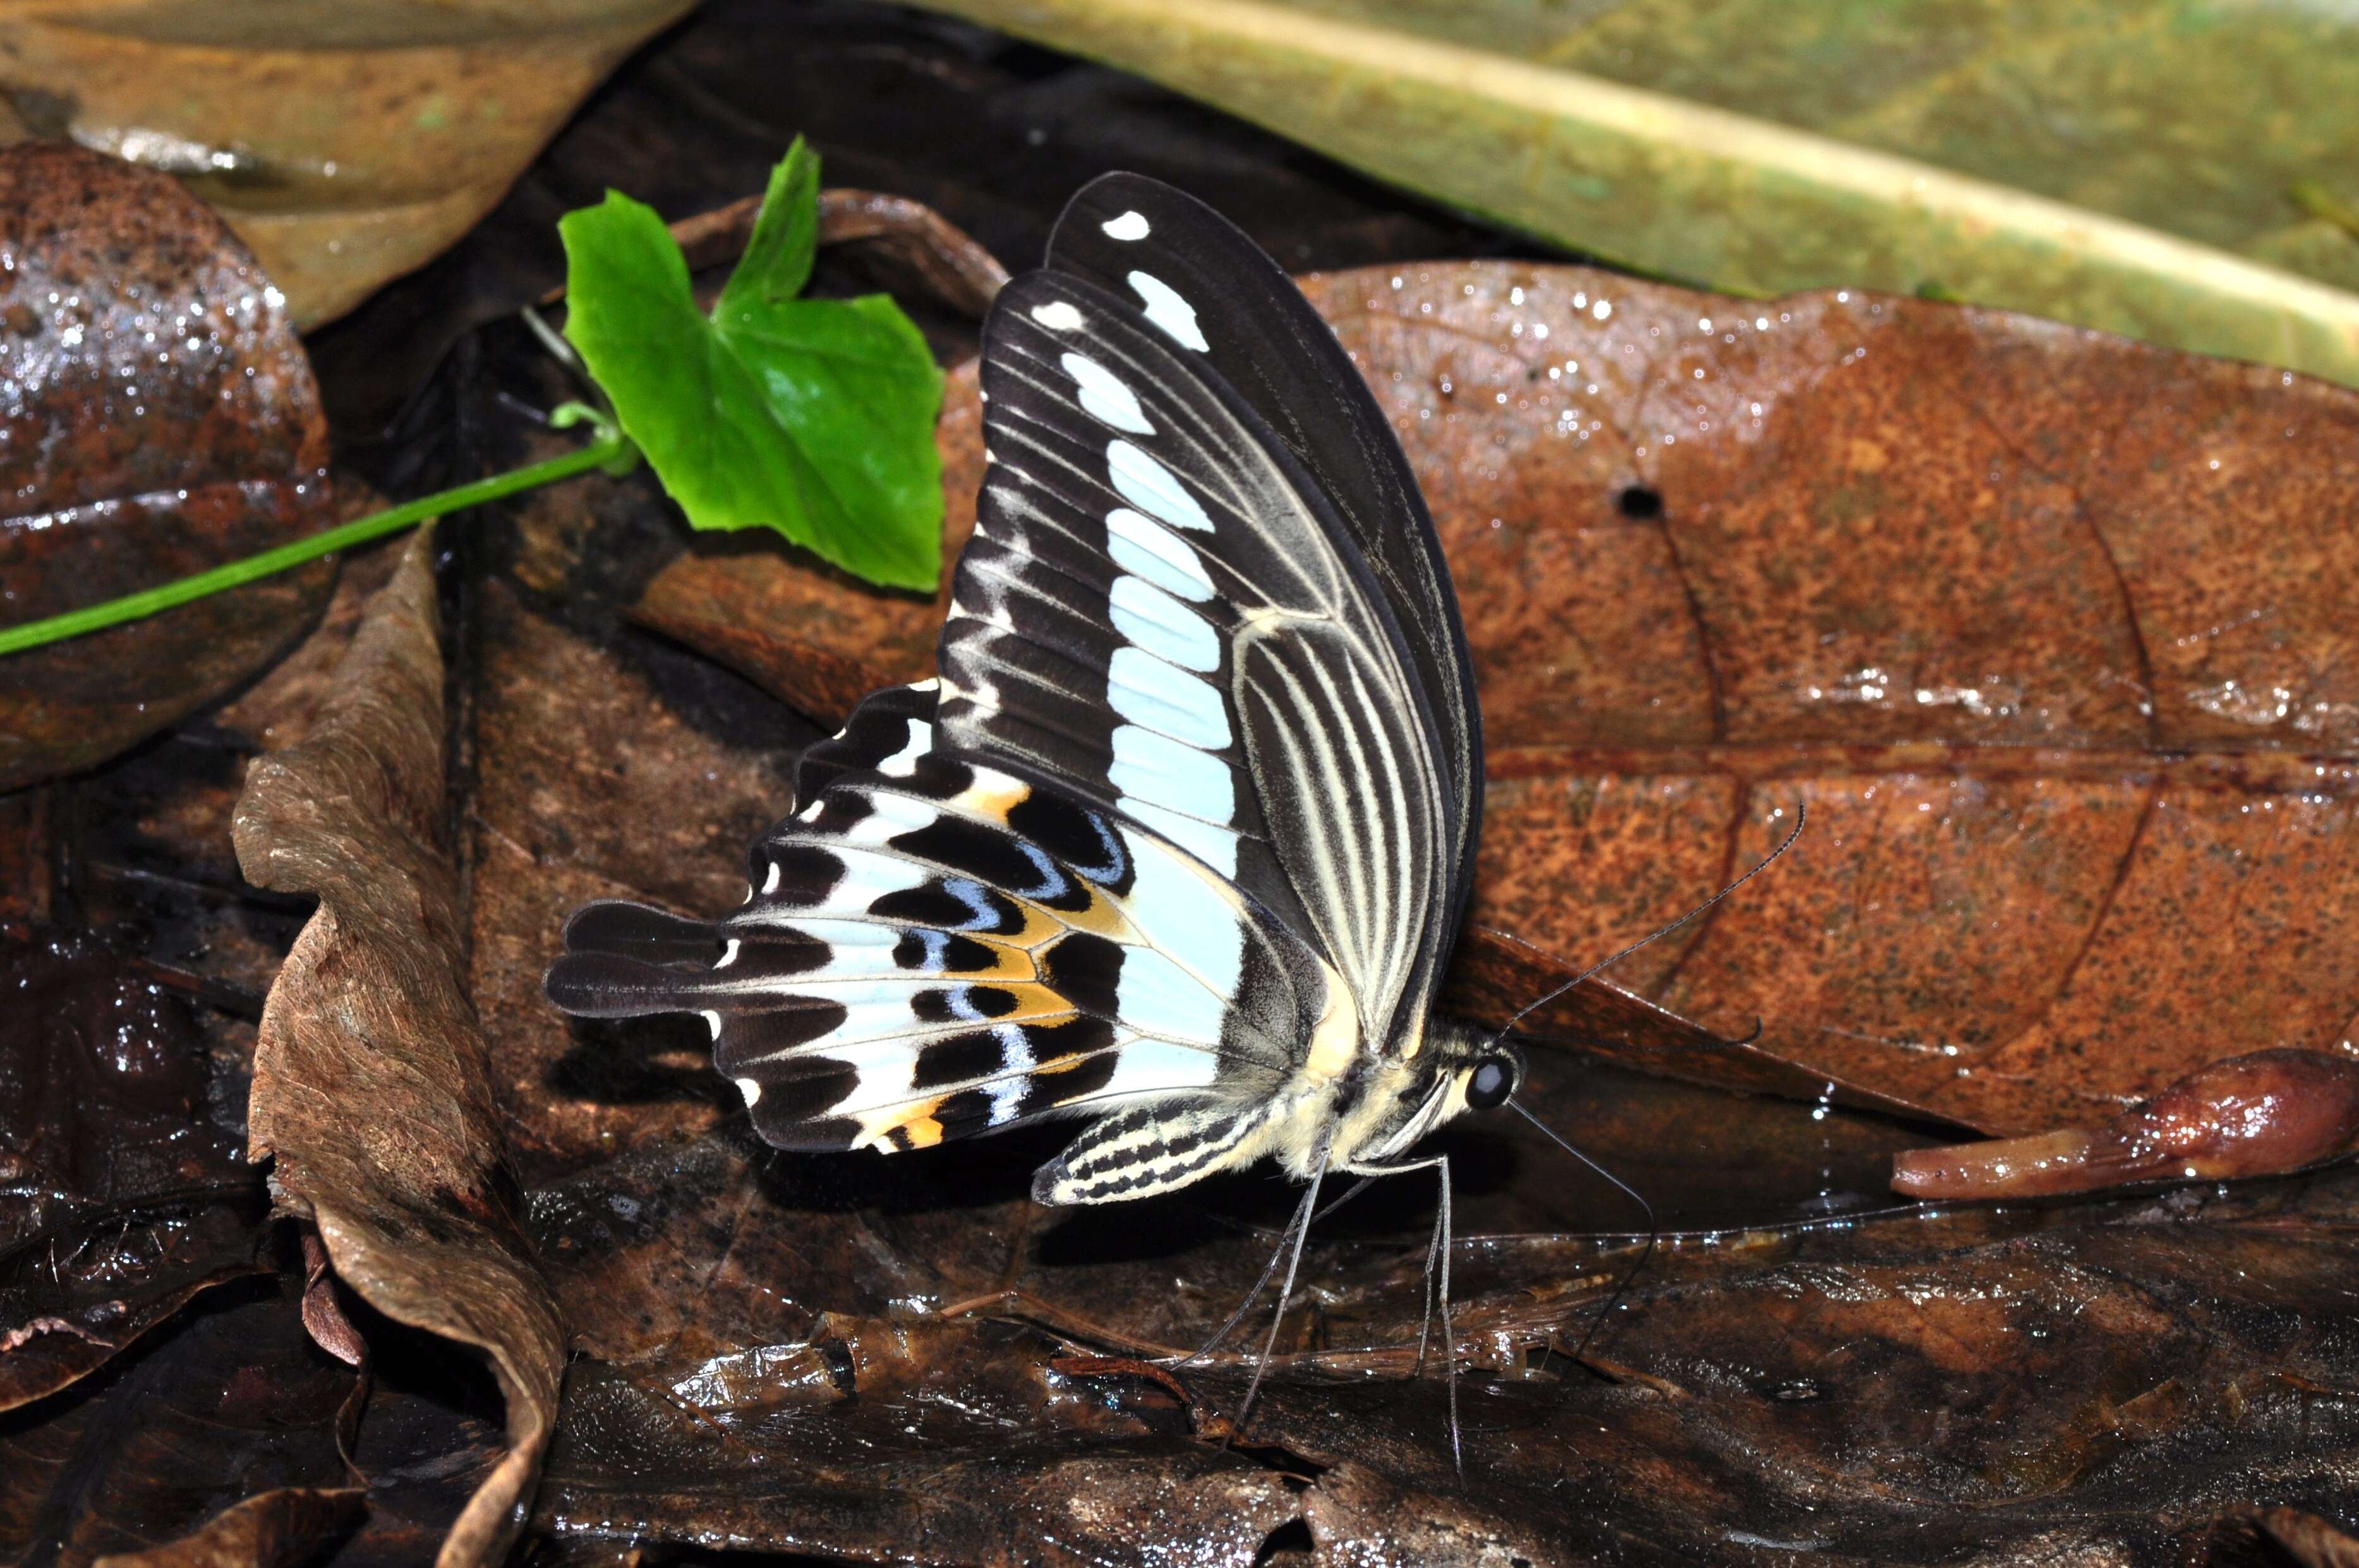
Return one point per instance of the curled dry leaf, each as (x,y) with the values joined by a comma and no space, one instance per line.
(162,418)
(346,144)
(2045,629)
(371,1087)
(2249,1115)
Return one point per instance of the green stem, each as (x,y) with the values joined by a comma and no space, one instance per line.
(611,448)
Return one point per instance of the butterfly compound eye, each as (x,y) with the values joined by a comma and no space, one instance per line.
(1488,1086)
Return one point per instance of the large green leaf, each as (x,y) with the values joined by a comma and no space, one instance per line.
(2115,163)
(813,417)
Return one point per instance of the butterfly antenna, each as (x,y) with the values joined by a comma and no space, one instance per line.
(1654,1231)
(1801,814)
(1298,1232)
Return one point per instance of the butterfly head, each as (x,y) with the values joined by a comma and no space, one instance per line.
(1456,1068)
(1481,1072)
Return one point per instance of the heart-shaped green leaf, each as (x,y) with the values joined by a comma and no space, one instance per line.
(813,417)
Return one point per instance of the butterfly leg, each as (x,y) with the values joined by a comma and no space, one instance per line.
(1437,1273)
(1298,1232)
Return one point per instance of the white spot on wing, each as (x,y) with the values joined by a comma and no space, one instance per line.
(1148,1065)
(1149,618)
(1104,397)
(1147,691)
(729,954)
(1215,846)
(1151,767)
(1184,915)
(713,1022)
(751,1090)
(1154,489)
(1131,225)
(1016,1058)
(1145,547)
(903,762)
(1058,316)
(771,883)
(1154,993)
(1167,311)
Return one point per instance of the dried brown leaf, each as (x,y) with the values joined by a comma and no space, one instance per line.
(163,419)
(372,1091)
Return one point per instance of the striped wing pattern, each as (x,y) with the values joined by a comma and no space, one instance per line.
(1159,613)
(932,948)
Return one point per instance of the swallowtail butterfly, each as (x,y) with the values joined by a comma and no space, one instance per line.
(1179,841)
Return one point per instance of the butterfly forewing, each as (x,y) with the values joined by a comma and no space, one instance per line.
(1141,240)
(1160,614)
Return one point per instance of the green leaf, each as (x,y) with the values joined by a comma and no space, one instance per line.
(2117,164)
(777,259)
(813,417)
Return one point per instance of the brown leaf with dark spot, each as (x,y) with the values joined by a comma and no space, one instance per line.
(163,420)
(372,1092)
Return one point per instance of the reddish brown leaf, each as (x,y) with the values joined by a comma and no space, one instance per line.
(2048,631)
(372,1091)
(162,420)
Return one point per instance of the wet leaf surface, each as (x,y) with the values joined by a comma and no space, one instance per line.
(124,1200)
(235,1404)
(162,418)
(371,1087)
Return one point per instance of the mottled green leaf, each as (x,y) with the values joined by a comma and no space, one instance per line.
(2113,163)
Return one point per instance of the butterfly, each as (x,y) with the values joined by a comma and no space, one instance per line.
(1178,840)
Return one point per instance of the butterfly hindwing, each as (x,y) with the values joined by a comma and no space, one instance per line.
(933,948)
